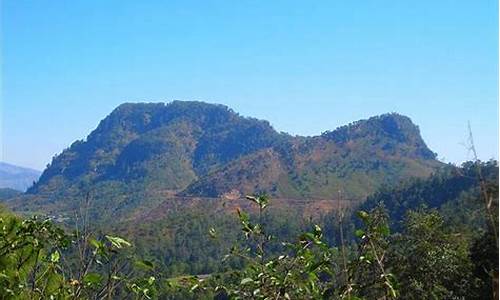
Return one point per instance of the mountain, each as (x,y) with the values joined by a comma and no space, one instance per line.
(454,191)
(15,177)
(7,193)
(144,153)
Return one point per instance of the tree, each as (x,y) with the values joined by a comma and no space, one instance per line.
(429,261)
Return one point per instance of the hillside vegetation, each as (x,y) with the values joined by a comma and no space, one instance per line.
(142,154)
(190,200)
(407,251)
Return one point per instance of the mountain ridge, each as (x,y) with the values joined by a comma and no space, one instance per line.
(208,150)
(17,177)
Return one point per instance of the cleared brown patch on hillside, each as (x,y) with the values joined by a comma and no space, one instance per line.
(307,207)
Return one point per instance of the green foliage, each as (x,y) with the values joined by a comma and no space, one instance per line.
(29,258)
(431,239)
(37,262)
(430,261)
(426,260)
(307,268)
(295,274)
(484,256)
(369,273)
(275,258)
(454,190)
(181,241)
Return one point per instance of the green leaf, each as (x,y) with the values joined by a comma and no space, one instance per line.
(263,201)
(246,281)
(359,233)
(194,288)
(118,242)
(384,230)
(144,264)
(92,279)
(363,215)
(317,230)
(308,236)
(95,243)
(243,216)
(55,256)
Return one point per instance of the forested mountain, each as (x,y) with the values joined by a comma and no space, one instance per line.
(7,193)
(454,191)
(17,178)
(147,152)
(178,239)
(170,179)
(411,242)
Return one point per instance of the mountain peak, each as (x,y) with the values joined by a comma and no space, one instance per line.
(391,129)
(208,149)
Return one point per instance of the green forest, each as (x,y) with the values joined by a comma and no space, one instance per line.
(424,238)
(249,150)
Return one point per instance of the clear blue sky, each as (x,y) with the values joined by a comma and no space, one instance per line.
(306,66)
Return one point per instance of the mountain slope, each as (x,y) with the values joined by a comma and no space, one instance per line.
(15,177)
(207,150)
(142,141)
(455,191)
(7,193)
(356,159)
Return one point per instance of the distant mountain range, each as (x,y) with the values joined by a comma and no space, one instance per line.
(17,178)
(147,152)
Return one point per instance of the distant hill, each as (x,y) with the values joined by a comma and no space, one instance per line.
(16,177)
(195,149)
(7,193)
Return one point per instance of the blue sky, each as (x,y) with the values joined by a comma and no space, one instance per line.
(306,66)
